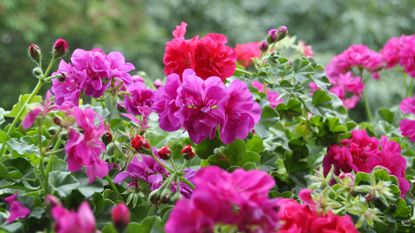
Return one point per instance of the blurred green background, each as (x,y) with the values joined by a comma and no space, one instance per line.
(139,29)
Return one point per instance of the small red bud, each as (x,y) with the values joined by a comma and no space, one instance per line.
(60,48)
(107,137)
(188,152)
(35,53)
(57,121)
(164,152)
(140,143)
(120,216)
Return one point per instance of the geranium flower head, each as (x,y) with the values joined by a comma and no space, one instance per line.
(391,52)
(348,88)
(139,99)
(407,54)
(16,208)
(246,52)
(407,105)
(68,221)
(85,146)
(407,128)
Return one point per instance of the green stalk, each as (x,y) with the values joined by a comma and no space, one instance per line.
(367,107)
(114,188)
(410,88)
(28,100)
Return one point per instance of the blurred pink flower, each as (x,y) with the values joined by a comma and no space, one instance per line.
(407,54)
(16,208)
(306,49)
(246,52)
(68,221)
(407,105)
(391,51)
(407,128)
(273,97)
(348,88)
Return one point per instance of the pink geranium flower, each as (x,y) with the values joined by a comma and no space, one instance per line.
(139,99)
(363,153)
(207,56)
(16,208)
(391,51)
(43,110)
(239,199)
(348,88)
(84,146)
(407,54)
(407,105)
(202,105)
(68,221)
(273,97)
(407,128)
(247,52)
(241,113)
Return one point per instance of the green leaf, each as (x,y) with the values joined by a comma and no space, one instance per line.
(109,228)
(206,147)
(2,114)
(362,178)
(268,118)
(150,224)
(320,97)
(20,103)
(386,115)
(255,144)
(62,183)
(87,189)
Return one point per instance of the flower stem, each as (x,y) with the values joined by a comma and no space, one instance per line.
(243,71)
(28,100)
(114,188)
(409,90)
(367,107)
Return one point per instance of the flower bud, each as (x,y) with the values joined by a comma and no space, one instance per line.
(57,120)
(272,36)
(60,48)
(107,137)
(140,143)
(282,32)
(120,216)
(37,72)
(157,83)
(187,152)
(154,196)
(263,46)
(35,53)
(164,152)
(52,200)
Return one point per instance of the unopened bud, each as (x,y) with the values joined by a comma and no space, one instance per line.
(282,32)
(120,216)
(157,83)
(272,36)
(107,137)
(187,152)
(154,196)
(164,152)
(57,121)
(263,46)
(35,53)
(37,72)
(59,48)
(140,143)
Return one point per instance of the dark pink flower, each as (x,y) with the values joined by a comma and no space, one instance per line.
(67,88)
(43,110)
(407,127)
(247,52)
(84,146)
(306,49)
(348,88)
(146,170)
(120,69)
(358,56)
(273,97)
(120,216)
(165,104)
(202,105)
(212,57)
(68,221)
(239,199)
(391,52)
(208,56)
(60,47)
(16,208)
(139,99)
(408,105)
(407,54)
(241,113)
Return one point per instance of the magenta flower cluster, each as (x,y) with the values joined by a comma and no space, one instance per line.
(238,199)
(407,125)
(90,73)
(85,145)
(16,209)
(400,51)
(273,97)
(68,221)
(363,153)
(201,106)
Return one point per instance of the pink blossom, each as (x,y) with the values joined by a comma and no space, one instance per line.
(239,199)
(247,52)
(391,52)
(16,208)
(273,97)
(407,127)
(359,56)
(407,54)
(202,105)
(120,69)
(139,99)
(363,153)
(67,89)
(207,56)
(348,88)
(85,146)
(43,110)
(120,216)
(408,105)
(241,113)
(165,104)
(306,49)
(68,221)
(297,218)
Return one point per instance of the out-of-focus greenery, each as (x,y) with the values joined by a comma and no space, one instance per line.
(139,28)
